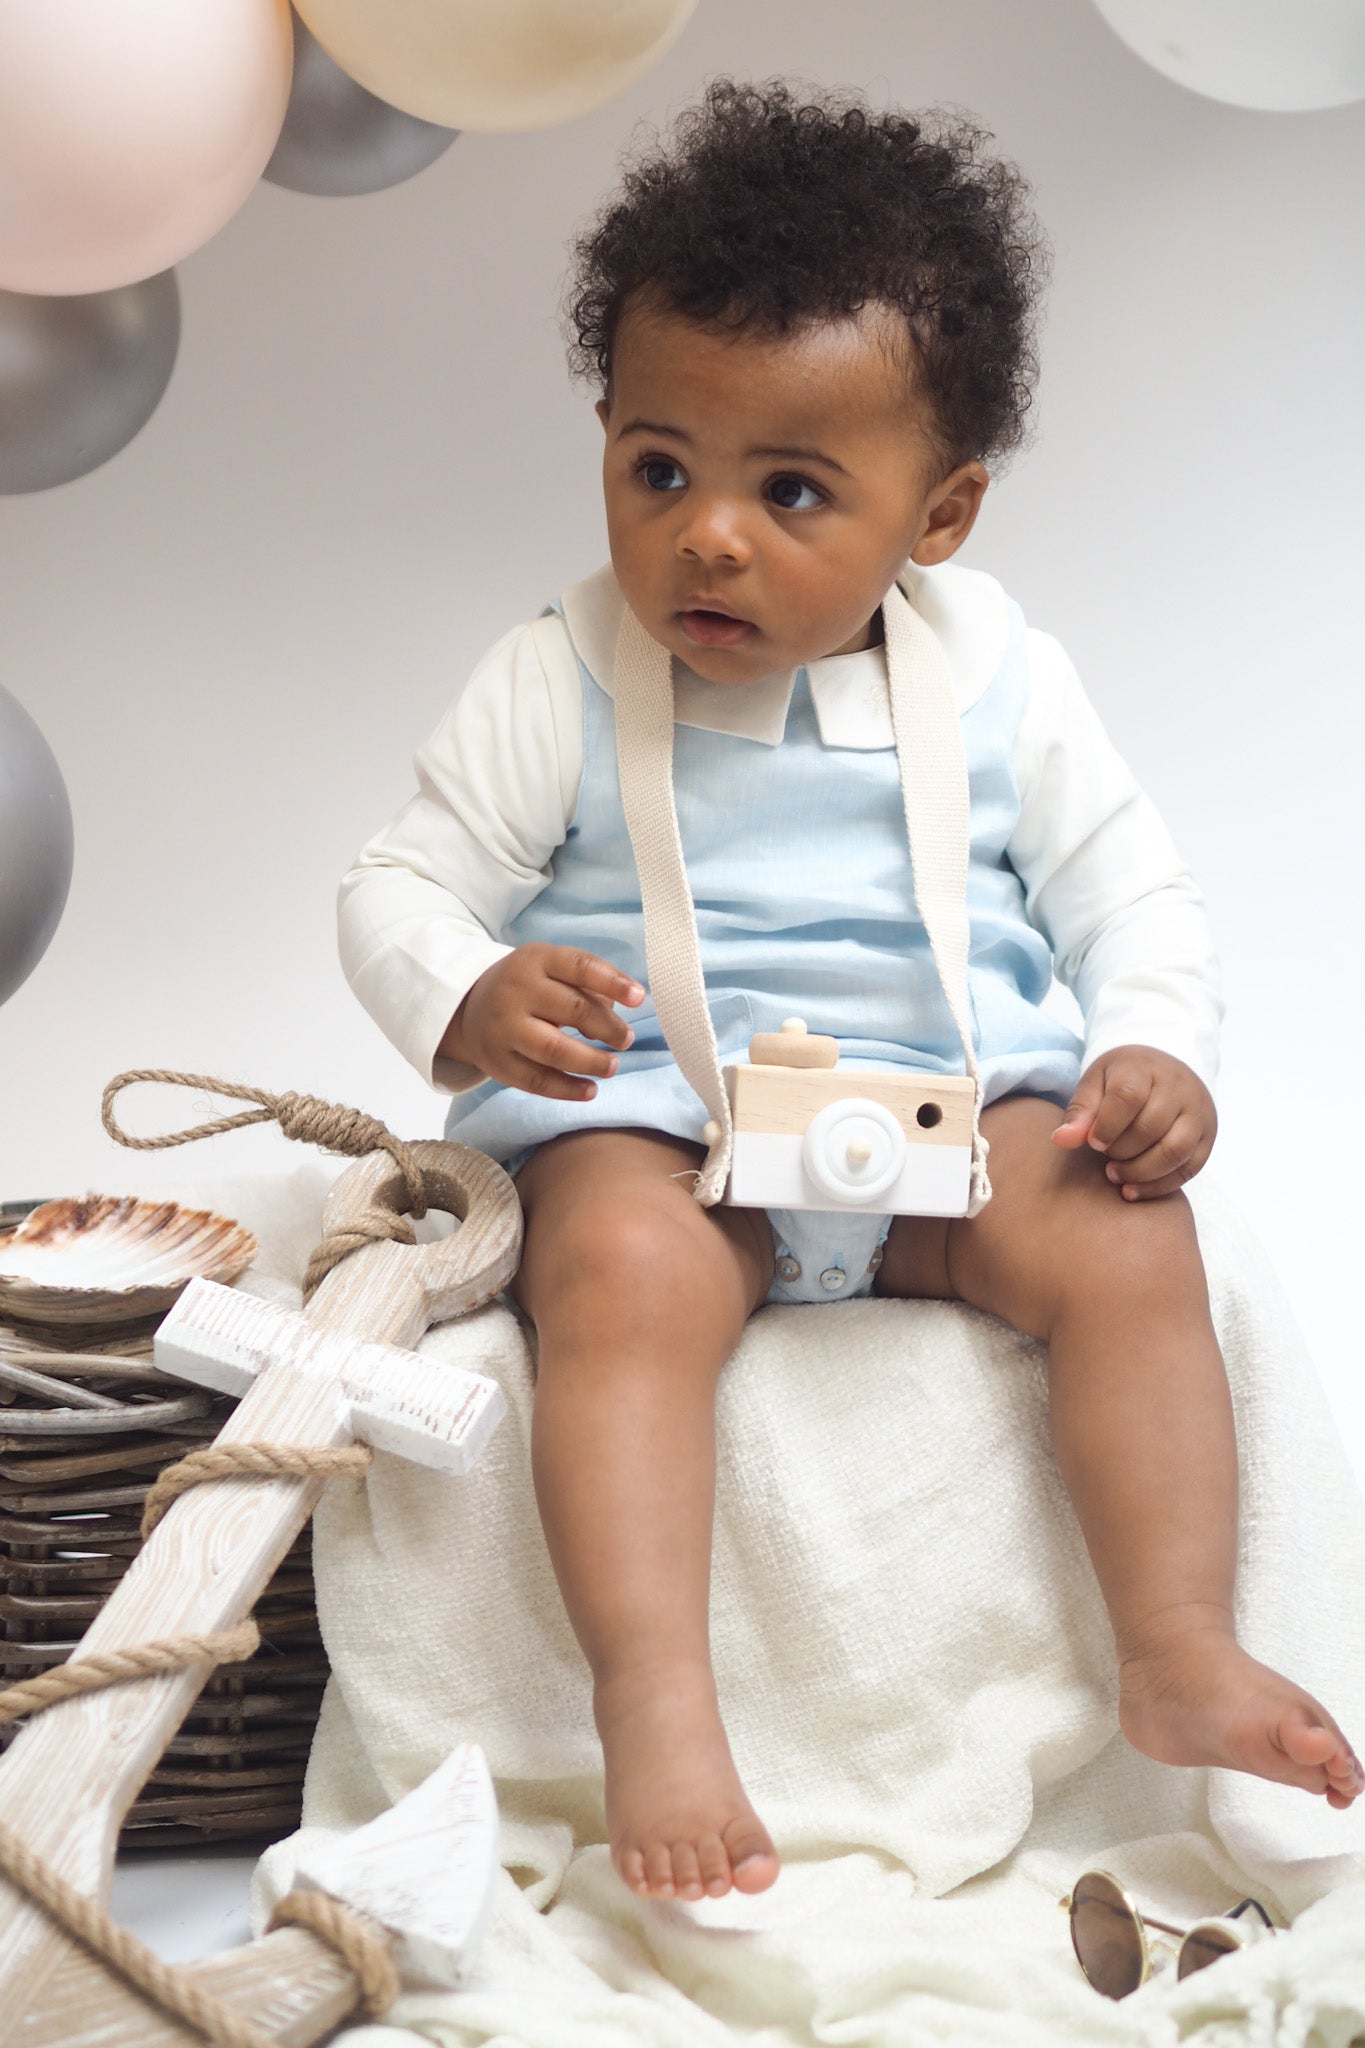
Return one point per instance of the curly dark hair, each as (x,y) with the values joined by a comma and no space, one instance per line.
(765,211)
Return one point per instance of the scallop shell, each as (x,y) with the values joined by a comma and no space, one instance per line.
(113,1259)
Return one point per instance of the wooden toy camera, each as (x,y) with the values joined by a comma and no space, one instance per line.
(809,1135)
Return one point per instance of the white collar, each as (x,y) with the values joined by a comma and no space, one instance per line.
(965,607)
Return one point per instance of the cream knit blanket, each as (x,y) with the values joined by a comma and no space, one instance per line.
(918,1681)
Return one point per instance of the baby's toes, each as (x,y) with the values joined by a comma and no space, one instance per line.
(753,1860)
(714,1865)
(1309,1737)
(1306,1737)
(1312,1739)
(659,1870)
(1345,1777)
(632,1869)
(686,1871)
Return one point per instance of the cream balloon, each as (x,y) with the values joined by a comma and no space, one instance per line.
(496,65)
(130,132)
(1280,56)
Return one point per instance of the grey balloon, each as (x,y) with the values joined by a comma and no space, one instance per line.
(338,140)
(79,376)
(35,845)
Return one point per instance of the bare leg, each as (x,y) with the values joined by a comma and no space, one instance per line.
(1143,1429)
(639,1296)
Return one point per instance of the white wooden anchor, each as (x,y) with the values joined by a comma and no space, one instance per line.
(343,1369)
(424,1870)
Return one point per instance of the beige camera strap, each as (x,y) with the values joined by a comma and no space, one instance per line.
(938,823)
(933,774)
(643,690)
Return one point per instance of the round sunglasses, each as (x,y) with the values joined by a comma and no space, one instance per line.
(1109,1935)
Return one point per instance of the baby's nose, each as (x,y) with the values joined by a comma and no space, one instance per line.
(716,532)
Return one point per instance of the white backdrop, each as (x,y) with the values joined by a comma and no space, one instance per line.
(370,462)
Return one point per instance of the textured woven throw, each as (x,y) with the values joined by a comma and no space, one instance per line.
(918,1679)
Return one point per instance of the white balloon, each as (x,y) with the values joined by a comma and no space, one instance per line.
(130,131)
(496,65)
(1283,56)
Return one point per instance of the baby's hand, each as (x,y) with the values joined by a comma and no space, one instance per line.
(1149,1112)
(509,1024)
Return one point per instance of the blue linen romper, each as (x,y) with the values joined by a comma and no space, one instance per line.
(800,872)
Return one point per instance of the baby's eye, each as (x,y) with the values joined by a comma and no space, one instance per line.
(660,474)
(794,494)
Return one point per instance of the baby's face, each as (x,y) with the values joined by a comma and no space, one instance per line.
(762,493)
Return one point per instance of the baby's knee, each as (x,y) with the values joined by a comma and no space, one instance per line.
(612,1240)
(1128,1254)
(1076,1244)
(619,1262)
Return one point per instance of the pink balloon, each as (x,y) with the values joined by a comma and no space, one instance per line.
(130,131)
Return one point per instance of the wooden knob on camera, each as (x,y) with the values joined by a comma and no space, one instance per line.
(792,1046)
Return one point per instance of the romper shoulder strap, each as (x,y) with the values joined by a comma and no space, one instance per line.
(933,772)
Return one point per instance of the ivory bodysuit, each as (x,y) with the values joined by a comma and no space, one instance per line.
(790,811)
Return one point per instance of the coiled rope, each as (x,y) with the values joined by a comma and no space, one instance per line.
(310,1120)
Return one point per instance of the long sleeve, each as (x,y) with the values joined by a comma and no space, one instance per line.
(422,912)
(1104,882)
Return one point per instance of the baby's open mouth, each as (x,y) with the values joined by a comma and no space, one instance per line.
(714,629)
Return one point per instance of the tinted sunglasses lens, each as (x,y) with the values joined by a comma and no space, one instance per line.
(1105,1935)
(1205,1944)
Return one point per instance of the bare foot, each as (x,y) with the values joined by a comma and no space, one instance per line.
(679,1823)
(1197,1698)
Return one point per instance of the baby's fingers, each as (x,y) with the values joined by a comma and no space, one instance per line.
(1126,1096)
(557,1081)
(598,977)
(1153,1122)
(1166,1165)
(590,1015)
(1153,1190)
(544,1046)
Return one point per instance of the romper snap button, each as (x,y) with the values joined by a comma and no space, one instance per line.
(788,1269)
(875,1260)
(832,1279)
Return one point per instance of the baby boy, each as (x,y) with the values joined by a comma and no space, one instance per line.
(811,328)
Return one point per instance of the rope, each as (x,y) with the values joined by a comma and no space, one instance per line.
(368,1227)
(313,1122)
(362,1947)
(264,1461)
(356,1940)
(173,1990)
(111,1667)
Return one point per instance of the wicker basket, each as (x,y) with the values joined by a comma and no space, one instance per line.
(72,1486)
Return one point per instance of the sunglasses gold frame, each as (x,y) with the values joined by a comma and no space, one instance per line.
(1204,1943)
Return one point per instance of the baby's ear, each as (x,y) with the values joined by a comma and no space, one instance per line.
(952,511)
(603,411)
